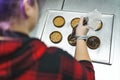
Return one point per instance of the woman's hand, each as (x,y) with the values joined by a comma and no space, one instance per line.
(81,29)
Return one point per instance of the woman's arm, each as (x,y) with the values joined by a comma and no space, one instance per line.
(81,48)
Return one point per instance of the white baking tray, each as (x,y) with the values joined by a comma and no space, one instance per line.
(100,55)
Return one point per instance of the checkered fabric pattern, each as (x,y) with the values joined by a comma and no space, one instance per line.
(25,58)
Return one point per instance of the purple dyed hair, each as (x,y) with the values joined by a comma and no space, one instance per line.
(11,8)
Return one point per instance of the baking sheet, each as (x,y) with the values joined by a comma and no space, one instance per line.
(100,55)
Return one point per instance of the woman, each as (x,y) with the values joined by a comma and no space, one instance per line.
(25,58)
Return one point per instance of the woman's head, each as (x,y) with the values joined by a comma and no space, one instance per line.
(13,8)
(19,12)
(8,9)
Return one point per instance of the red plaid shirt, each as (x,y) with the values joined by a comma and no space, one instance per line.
(24,58)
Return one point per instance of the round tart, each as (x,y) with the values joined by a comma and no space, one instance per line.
(74,22)
(99,27)
(71,40)
(59,21)
(93,42)
(55,37)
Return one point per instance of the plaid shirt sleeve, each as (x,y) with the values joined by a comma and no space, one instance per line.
(32,60)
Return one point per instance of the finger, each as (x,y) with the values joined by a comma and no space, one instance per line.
(81,21)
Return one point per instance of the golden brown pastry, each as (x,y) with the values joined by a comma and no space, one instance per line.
(99,27)
(56,37)
(74,22)
(59,21)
